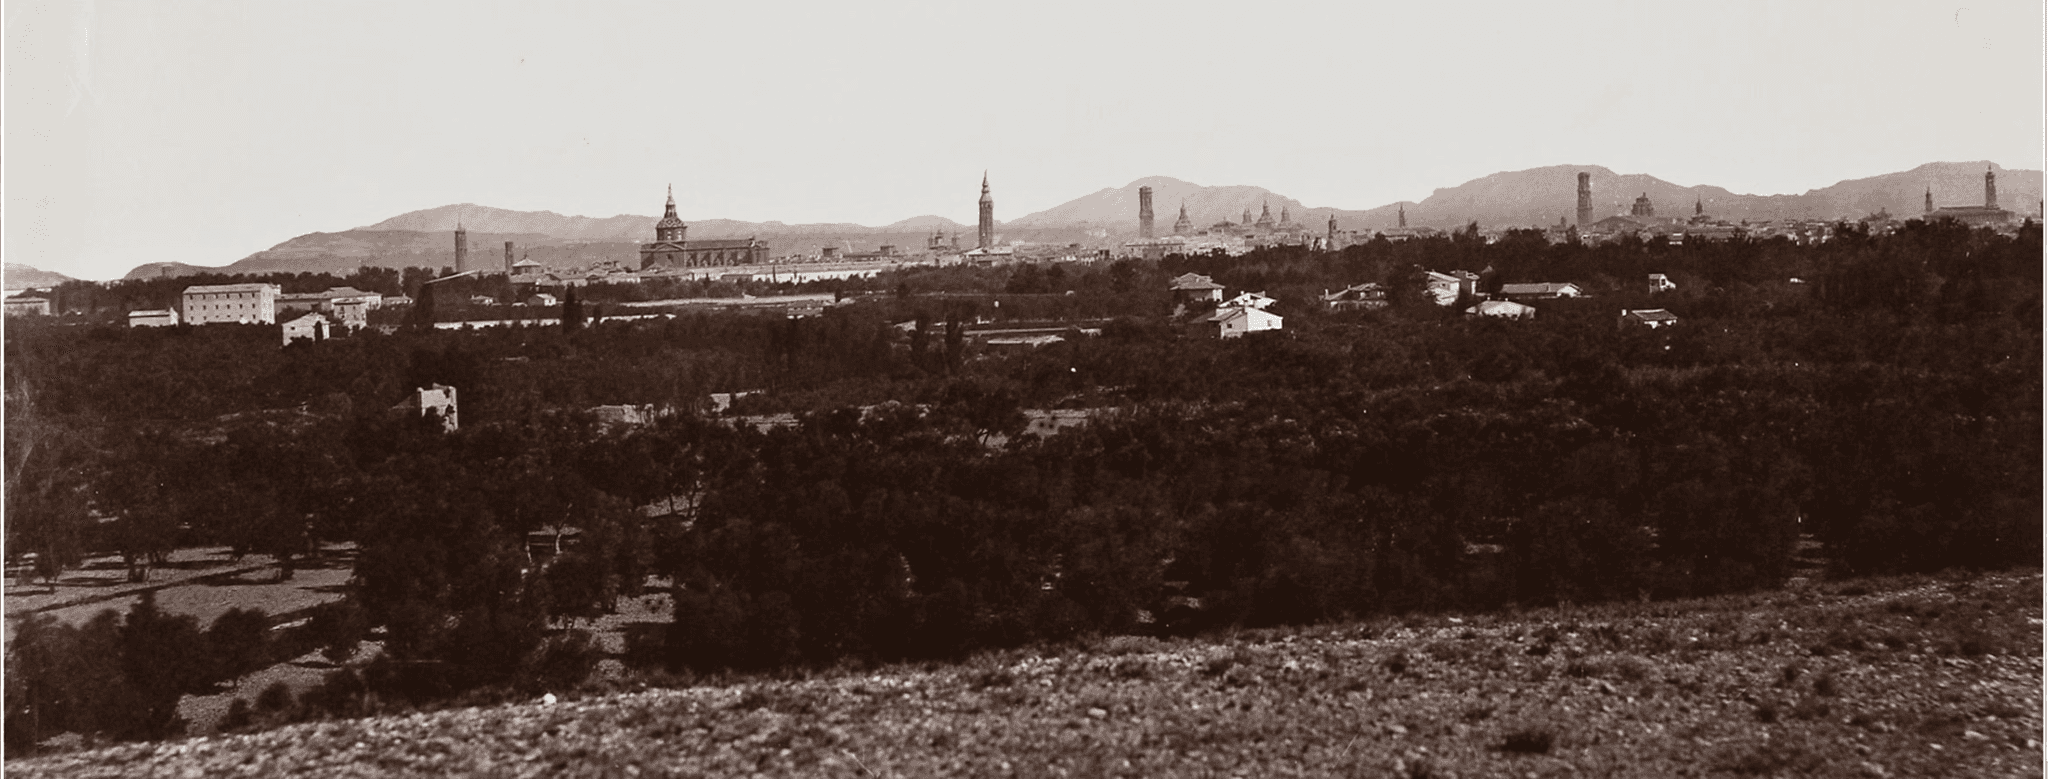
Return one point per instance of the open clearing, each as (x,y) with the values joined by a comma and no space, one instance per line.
(1927,676)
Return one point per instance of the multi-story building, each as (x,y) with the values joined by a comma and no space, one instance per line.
(233,303)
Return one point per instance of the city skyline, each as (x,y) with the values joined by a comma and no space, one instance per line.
(204,134)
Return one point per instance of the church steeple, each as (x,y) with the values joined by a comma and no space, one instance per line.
(987,232)
(671,228)
(1928,207)
(1990,188)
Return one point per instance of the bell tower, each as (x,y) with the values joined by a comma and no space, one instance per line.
(987,232)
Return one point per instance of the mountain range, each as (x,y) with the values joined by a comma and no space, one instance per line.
(19,276)
(1534,197)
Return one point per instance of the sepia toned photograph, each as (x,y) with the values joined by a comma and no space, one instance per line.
(1054,389)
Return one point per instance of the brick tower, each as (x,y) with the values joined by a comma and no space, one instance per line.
(1585,199)
(1145,213)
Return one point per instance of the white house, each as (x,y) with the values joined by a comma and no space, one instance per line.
(1235,321)
(311,327)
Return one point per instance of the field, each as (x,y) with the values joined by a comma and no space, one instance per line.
(1924,676)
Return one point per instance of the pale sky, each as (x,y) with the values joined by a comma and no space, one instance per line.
(202,132)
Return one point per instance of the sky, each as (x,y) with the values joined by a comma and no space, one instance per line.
(202,132)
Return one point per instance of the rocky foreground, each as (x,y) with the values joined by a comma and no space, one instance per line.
(1920,677)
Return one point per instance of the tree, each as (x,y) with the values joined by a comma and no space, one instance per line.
(572,311)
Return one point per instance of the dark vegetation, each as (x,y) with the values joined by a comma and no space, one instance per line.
(1385,462)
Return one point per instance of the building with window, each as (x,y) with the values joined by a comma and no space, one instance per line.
(670,249)
(231,303)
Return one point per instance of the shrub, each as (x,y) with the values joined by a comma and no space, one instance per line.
(1530,739)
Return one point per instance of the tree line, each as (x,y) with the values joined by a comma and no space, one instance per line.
(1355,463)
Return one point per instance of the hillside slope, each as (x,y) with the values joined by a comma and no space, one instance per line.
(1919,677)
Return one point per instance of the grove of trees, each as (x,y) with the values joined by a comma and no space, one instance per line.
(1887,403)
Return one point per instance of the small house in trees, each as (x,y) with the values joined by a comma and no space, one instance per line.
(1543,291)
(154,317)
(1368,295)
(1445,288)
(1661,283)
(1194,288)
(434,399)
(1502,309)
(1652,318)
(310,327)
(1236,321)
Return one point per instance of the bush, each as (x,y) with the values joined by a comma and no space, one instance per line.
(1530,739)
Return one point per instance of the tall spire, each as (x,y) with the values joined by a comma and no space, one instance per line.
(985,234)
(1928,206)
(671,228)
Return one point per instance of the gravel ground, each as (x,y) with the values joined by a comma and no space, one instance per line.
(1928,677)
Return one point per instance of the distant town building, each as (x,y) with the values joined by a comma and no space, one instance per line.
(670,249)
(1265,217)
(461,247)
(1183,225)
(508,258)
(28,303)
(155,317)
(1642,207)
(1661,283)
(231,303)
(1286,217)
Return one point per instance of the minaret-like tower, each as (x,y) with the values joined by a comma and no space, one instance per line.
(1286,218)
(1183,225)
(1928,207)
(671,228)
(1145,213)
(508,258)
(1403,215)
(1265,216)
(461,247)
(1331,238)
(1990,188)
(1699,206)
(987,232)
(1585,199)
(1247,217)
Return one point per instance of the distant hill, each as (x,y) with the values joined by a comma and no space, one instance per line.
(1538,196)
(15,275)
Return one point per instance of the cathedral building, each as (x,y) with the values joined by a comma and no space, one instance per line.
(671,250)
(1987,214)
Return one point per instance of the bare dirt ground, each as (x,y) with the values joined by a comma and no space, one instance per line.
(1927,676)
